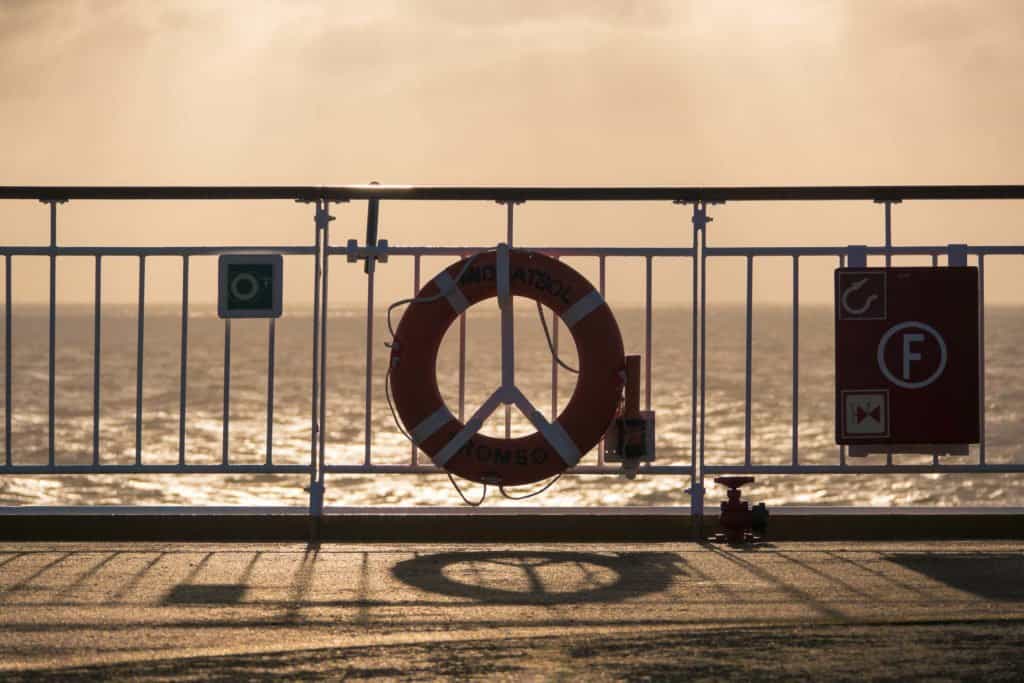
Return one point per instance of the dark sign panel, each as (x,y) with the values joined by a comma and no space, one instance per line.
(250,286)
(906,355)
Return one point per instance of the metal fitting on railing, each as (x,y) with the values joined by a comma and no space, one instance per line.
(354,252)
(323,216)
(700,211)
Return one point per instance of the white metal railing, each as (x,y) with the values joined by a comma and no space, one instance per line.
(97,466)
(842,254)
(373,251)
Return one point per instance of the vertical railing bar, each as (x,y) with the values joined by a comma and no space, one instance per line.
(935,264)
(842,448)
(8,318)
(462,363)
(701,211)
(368,423)
(554,364)
(96,347)
(315,397)
(981,358)
(510,234)
(139,358)
(323,336)
(749,359)
(796,360)
(271,352)
(648,326)
(53,335)
(183,371)
(888,263)
(415,290)
(224,459)
(601,288)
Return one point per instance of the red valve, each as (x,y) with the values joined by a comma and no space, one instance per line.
(737,518)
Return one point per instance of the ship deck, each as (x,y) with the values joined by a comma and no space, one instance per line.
(594,611)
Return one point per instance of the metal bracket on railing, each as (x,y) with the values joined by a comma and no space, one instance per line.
(375,250)
(323,216)
(700,216)
(700,211)
(354,252)
(857,256)
(957,254)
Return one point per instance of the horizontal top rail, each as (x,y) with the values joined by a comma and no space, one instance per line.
(154,251)
(345,193)
(391,250)
(923,250)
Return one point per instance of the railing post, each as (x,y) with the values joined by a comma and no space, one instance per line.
(370,268)
(8,318)
(321,219)
(700,220)
(324,226)
(52,394)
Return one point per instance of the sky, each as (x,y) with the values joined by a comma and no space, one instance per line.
(478,92)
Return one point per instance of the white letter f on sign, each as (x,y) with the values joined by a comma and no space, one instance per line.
(908,355)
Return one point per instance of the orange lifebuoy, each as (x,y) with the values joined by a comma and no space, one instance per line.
(560,444)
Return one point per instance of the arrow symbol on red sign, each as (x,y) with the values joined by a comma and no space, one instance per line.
(875,414)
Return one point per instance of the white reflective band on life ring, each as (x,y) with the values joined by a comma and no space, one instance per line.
(457,442)
(451,291)
(424,430)
(559,439)
(582,308)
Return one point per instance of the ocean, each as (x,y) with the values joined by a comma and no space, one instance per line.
(346,353)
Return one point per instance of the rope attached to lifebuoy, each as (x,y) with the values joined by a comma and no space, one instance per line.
(556,445)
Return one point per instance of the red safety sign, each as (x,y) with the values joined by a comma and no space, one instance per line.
(907,355)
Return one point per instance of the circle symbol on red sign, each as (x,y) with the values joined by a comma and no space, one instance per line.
(909,355)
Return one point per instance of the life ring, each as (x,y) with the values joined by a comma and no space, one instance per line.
(561,443)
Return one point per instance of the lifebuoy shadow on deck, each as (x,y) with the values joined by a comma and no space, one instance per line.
(542,577)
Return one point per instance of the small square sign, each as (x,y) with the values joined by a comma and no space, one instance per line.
(250,286)
(865,413)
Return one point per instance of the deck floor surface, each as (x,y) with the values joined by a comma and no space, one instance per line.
(660,611)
